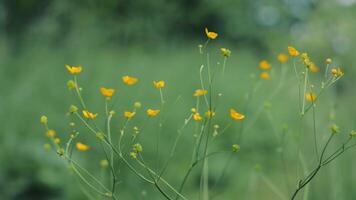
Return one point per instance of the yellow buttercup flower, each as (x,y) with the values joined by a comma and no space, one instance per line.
(152,112)
(210,35)
(74,69)
(225,52)
(200,92)
(265,75)
(107,92)
(265,65)
(236,115)
(282,58)
(129,80)
(159,84)
(209,114)
(313,68)
(197,117)
(311,97)
(336,72)
(306,59)
(89,115)
(129,114)
(82,147)
(293,51)
(50,133)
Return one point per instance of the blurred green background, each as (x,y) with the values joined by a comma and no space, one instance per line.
(159,39)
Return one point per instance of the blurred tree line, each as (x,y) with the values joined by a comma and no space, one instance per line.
(127,21)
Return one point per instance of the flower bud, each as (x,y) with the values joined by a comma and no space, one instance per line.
(71,84)
(137,104)
(235,148)
(334,129)
(73,109)
(44,119)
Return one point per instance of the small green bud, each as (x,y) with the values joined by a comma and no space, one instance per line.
(47,147)
(334,129)
(73,109)
(133,155)
(328,61)
(104,163)
(100,135)
(71,84)
(137,148)
(43,119)
(235,148)
(137,104)
(353,133)
(258,167)
(60,152)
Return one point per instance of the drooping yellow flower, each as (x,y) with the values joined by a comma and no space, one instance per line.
(200,92)
(82,147)
(313,68)
(210,35)
(336,72)
(225,52)
(74,69)
(152,112)
(107,92)
(209,114)
(50,133)
(265,75)
(159,84)
(236,115)
(311,97)
(293,51)
(265,65)
(129,80)
(129,114)
(282,58)
(89,115)
(197,117)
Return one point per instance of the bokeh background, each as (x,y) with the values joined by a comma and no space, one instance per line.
(159,39)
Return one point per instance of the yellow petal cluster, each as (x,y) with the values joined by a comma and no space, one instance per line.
(293,51)
(81,147)
(152,112)
(311,97)
(129,114)
(74,69)
(89,115)
(107,92)
(282,58)
(159,84)
(265,65)
(200,92)
(129,80)
(210,34)
(236,115)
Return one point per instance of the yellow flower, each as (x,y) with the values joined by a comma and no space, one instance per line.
(336,72)
(57,140)
(200,92)
(89,115)
(264,64)
(264,75)
(197,117)
(74,69)
(225,52)
(107,92)
(50,133)
(311,97)
(282,58)
(210,35)
(235,115)
(152,112)
(129,114)
(159,84)
(313,68)
(81,146)
(209,114)
(293,51)
(129,80)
